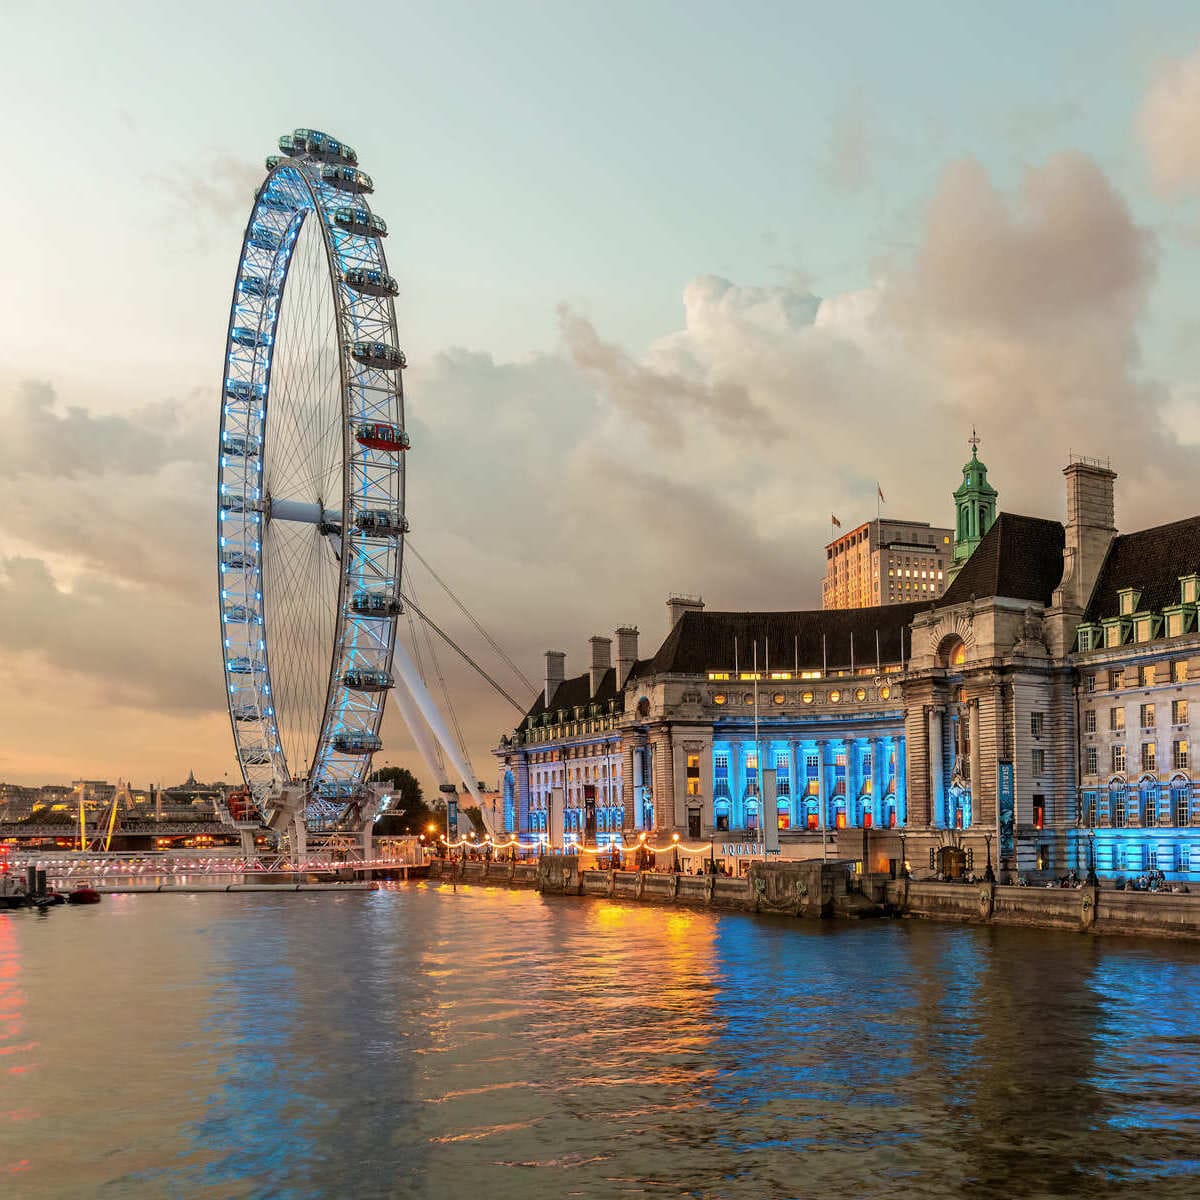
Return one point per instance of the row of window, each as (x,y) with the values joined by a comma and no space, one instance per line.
(1145,675)
(1120,806)
(1180,758)
(1147,714)
(835,696)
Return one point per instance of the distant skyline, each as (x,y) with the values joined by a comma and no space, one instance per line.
(675,285)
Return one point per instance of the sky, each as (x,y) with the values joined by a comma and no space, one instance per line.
(677,283)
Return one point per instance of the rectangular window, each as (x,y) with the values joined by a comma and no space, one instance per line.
(721,766)
(1118,759)
(1179,755)
(1090,684)
(1037,723)
(1179,712)
(1146,675)
(1174,624)
(1089,721)
(693,774)
(783,782)
(1116,719)
(1039,812)
(1148,716)
(1149,756)
(1091,763)
(1039,761)
(1116,678)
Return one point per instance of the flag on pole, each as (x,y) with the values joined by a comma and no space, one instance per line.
(880,491)
(834,521)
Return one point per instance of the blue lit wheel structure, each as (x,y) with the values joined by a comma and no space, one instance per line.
(310,491)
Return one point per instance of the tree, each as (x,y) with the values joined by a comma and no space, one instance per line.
(408,812)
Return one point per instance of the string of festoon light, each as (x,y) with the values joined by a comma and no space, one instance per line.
(579,847)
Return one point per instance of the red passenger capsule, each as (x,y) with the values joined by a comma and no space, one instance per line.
(382,436)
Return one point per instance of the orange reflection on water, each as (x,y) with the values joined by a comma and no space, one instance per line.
(13,1043)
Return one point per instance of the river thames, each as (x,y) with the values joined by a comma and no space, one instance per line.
(492,1043)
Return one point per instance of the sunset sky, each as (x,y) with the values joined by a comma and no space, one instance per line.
(677,282)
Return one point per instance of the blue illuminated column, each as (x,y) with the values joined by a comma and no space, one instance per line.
(794,776)
(823,784)
(901,780)
(853,778)
(878,747)
(737,786)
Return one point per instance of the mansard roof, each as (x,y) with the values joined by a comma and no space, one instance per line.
(1151,561)
(576,692)
(704,641)
(1019,557)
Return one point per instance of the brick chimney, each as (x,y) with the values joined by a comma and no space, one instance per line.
(601,661)
(627,652)
(677,605)
(556,667)
(1091,526)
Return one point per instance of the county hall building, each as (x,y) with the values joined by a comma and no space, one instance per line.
(1035,713)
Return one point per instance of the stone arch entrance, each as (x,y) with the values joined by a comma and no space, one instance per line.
(951,861)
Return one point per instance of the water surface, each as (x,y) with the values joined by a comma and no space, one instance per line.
(423,1042)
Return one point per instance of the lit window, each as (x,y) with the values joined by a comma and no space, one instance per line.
(777,698)
(1179,755)
(1179,712)
(835,696)
(720,698)
(1179,670)
(1148,721)
(1092,766)
(1149,756)
(1116,719)
(860,694)
(806,697)
(885,693)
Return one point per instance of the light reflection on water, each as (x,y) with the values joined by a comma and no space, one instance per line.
(487,1043)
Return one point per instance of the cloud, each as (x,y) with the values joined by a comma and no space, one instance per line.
(217,189)
(563,494)
(1169,123)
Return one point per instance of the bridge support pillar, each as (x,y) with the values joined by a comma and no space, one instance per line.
(248,847)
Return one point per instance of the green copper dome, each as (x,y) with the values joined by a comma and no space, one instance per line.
(975,502)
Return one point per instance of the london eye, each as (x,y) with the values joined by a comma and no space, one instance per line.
(310,488)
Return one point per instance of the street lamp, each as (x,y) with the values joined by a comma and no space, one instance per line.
(1092,881)
(903,859)
(675,853)
(989,875)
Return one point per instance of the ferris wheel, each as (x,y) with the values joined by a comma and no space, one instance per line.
(310,487)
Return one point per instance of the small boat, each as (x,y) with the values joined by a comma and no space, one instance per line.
(83,895)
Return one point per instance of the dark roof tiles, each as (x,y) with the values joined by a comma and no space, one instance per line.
(1020,558)
(1150,560)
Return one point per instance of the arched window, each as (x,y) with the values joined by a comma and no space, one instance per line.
(1181,802)
(1148,802)
(1117,795)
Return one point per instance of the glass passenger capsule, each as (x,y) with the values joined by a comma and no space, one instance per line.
(240,614)
(291,145)
(256,756)
(326,148)
(381,522)
(367,681)
(356,743)
(245,712)
(378,355)
(239,389)
(347,179)
(358,220)
(370,281)
(277,201)
(260,289)
(262,238)
(237,446)
(273,160)
(376,604)
(237,560)
(243,665)
(381,435)
(236,504)
(250,338)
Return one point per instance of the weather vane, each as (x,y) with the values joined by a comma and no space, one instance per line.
(973,440)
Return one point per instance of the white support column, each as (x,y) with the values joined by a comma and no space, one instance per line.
(794,783)
(408,672)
